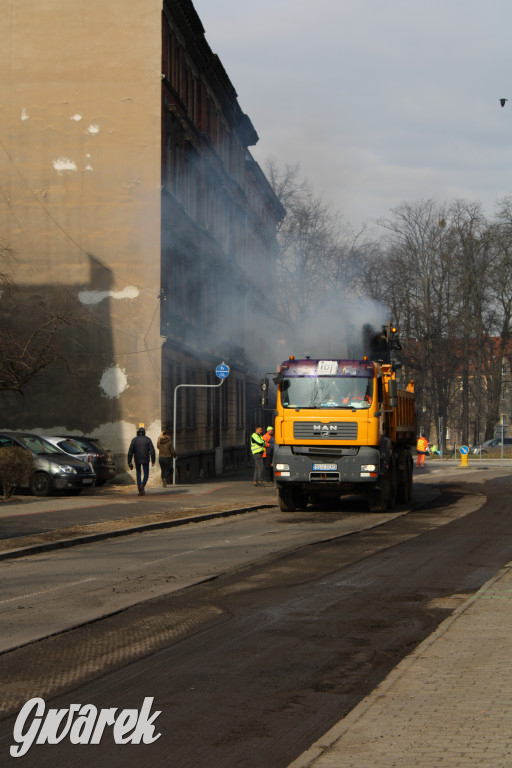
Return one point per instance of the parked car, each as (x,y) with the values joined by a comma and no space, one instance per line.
(102,458)
(492,447)
(69,446)
(54,469)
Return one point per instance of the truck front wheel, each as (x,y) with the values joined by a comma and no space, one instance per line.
(291,499)
(378,498)
(286,499)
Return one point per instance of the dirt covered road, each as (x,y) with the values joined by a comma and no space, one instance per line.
(250,668)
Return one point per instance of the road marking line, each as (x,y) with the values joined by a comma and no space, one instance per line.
(47,591)
(207,546)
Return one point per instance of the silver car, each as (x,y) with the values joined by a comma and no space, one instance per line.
(67,445)
(54,470)
(493,447)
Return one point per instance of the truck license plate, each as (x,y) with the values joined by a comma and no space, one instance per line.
(325,467)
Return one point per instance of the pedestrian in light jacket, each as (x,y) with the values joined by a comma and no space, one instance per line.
(166,454)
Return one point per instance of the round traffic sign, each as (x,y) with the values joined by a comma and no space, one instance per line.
(222,371)
(464,449)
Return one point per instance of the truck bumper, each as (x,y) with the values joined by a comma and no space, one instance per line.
(293,464)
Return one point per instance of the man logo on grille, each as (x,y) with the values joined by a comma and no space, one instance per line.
(325,430)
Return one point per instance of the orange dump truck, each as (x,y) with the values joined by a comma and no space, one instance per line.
(342,427)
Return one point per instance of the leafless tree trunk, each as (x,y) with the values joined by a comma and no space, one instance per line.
(420,286)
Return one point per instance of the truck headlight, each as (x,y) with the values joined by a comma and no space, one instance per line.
(283,467)
(368,468)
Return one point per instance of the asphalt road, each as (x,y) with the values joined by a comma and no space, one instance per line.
(57,590)
(286,625)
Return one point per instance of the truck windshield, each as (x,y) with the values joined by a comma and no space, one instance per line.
(327,392)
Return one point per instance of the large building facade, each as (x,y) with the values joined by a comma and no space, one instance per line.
(130,196)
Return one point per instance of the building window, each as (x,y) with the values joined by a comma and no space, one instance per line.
(225,404)
(190,400)
(166,44)
(209,397)
(168,395)
(192,174)
(179,401)
(240,403)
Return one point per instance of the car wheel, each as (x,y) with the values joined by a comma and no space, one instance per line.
(40,484)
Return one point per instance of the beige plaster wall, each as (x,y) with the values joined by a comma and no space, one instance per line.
(80,134)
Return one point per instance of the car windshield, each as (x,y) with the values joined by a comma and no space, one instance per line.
(327,392)
(99,445)
(38,444)
(70,446)
(91,444)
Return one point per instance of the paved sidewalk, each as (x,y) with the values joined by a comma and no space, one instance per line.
(447,705)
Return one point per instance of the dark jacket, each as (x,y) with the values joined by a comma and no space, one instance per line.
(141,449)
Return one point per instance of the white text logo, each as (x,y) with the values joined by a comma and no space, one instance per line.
(83,724)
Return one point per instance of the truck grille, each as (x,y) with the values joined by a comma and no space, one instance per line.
(333,430)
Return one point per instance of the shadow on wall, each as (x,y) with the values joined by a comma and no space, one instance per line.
(79,391)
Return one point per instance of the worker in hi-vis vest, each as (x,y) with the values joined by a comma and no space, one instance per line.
(421,450)
(258,446)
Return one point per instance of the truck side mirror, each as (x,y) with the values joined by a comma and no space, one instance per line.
(263,392)
(393,393)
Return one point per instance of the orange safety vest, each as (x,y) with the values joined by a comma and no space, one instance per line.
(266,438)
(422,445)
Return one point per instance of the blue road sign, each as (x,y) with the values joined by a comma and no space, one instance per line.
(222,371)
(464,449)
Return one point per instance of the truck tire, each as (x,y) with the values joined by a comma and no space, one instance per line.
(392,486)
(286,499)
(404,489)
(378,498)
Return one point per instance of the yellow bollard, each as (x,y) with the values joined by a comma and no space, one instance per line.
(464,450)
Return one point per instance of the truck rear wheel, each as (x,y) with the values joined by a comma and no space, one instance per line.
(404,489)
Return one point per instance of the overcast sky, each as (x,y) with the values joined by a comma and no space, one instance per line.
(379,101)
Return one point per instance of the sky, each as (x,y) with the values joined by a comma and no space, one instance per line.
(380,102)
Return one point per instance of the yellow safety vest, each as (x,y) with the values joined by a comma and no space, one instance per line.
(257,443)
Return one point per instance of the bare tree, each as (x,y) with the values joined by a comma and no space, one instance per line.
(444,273)
(31,339)
(472,246)
(420,283)
(316,251)
(23,356)
(499,310)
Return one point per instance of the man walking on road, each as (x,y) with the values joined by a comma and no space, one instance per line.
(257,447)
(141,451)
